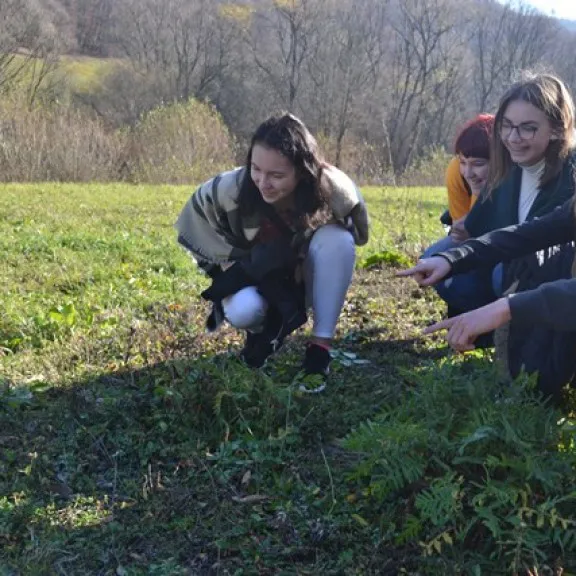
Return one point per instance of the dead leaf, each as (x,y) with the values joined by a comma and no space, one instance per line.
(246,478)
(252,499)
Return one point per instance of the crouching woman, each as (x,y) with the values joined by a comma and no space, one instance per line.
(277,237)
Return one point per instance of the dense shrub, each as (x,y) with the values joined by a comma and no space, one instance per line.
(182,143)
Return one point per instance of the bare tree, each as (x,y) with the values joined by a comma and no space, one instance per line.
(561,57)
(423,31)
(19,36)
(43,81)
(506,39)
(446,100)
(281,40)
(93,25)
(183,40)
(344,66)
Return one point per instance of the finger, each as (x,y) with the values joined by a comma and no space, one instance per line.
(418,277)
(463,340)
(453,334)
(409,272)
(442,325)
(421,279)
(432,278)
(464,347)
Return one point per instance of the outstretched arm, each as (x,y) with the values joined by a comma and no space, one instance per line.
(552,305)
(557,227)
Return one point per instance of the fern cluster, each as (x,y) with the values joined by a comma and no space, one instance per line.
(480,478)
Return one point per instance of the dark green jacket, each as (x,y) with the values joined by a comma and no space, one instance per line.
(500,210)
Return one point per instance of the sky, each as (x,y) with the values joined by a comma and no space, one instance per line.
(559,8)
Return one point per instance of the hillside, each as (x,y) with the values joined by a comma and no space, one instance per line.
(86,26)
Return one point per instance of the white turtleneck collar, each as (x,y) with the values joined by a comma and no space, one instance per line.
(529,188)
(535,169)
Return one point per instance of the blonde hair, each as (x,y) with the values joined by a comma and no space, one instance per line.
(549,94)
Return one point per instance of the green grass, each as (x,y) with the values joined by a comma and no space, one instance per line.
(133,443)
(107,254)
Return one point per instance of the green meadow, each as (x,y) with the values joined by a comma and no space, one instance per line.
(134,443)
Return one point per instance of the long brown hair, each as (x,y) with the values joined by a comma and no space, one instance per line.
(289,136)
(549,94)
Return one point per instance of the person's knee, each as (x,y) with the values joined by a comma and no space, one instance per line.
(466,291)
(498,280)
(441,245)
(332,239)
(246,309)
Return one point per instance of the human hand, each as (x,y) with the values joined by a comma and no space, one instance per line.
(464,329)
(428,271)
(228,282)
(458,231)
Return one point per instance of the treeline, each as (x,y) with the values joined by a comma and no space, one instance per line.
(383,83)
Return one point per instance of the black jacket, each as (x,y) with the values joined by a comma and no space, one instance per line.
(542,294)
(552,304)
(500,209)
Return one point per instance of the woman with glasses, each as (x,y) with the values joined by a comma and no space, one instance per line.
(530,175)
(532,172)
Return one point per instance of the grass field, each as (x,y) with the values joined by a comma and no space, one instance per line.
(107,255)
(133,443)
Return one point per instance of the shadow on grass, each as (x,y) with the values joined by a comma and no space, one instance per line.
(190,466)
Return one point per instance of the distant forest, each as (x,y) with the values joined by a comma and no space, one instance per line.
(388,79)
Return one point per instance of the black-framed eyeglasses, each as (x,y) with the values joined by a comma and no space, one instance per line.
(524,131)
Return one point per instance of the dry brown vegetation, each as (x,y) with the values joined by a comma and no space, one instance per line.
(383,83)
